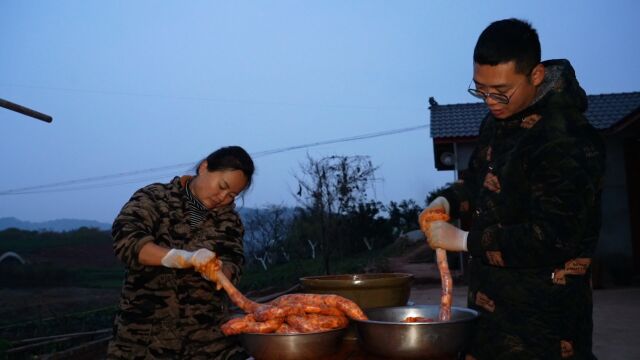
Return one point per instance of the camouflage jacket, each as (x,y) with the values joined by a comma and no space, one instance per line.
(177,305)
(531,241)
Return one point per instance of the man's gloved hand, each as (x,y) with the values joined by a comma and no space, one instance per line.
(439,204)
(441,234)
(182,259)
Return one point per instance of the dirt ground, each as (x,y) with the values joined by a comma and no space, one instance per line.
(18,305)
(419,260)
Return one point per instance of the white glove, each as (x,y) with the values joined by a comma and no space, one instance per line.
(443,235)
(201,257)
(439,202)
(182,259)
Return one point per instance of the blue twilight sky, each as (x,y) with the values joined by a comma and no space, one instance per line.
(138,85)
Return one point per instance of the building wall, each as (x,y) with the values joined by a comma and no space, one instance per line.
(463,154)
(615,249)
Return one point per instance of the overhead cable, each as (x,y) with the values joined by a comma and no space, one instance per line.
(99,181)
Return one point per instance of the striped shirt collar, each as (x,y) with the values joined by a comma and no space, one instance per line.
(192,199)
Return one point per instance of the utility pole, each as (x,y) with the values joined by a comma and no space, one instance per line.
(25,110)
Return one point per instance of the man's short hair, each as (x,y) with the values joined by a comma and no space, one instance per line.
(507,40)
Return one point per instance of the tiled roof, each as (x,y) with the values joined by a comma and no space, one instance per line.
(463,120)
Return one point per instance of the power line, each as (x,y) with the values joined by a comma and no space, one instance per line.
(90,179)
(82,184)
(208,99)
(91,186)
(347,139)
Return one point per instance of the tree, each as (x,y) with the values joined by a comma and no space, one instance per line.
(368,226)
(330,188)
(302,240)
(403,216)
(266,231)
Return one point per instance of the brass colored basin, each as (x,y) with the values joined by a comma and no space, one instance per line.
(366,290)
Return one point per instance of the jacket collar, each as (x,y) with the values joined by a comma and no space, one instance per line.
(180,182)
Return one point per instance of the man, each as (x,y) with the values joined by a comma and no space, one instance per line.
(532,190)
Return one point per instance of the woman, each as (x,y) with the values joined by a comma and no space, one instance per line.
(167,309)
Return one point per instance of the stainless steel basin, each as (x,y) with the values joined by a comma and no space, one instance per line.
(385,334)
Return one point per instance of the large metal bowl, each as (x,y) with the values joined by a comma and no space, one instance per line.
(385,334)
(366,290)
(292,346)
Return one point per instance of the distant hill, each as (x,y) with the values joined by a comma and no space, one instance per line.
(51,225)
(246,212)
(73,224)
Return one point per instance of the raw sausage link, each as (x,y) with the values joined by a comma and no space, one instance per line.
(446,298)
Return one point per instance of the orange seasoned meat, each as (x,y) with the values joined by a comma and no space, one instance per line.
(291,313)
(413,319)
(248,324)
(446,298)
(315,322)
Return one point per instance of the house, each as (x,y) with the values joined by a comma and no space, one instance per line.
(454,129)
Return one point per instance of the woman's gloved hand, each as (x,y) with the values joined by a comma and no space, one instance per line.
(441,234)
(182,259)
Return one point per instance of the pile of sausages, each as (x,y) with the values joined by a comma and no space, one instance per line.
(287,314)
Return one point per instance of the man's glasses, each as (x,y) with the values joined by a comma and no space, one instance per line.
(497,97)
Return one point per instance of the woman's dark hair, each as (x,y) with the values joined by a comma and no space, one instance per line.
(507,40)
(230,158)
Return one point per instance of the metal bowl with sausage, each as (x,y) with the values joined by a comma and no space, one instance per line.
(388,334)
(318,345)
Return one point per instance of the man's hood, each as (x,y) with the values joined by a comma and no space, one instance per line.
(560,88)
